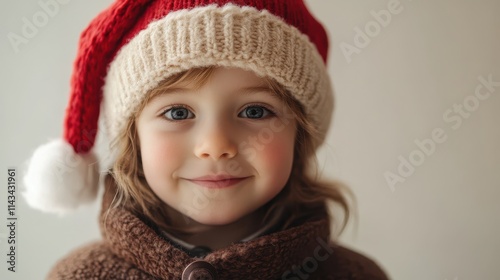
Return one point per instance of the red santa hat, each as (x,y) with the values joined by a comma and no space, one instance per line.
(130,47)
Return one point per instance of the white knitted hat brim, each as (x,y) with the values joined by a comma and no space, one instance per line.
(230,36)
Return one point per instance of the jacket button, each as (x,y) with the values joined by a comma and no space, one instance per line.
(199,270)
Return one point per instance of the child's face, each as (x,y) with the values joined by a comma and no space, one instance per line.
(217,134)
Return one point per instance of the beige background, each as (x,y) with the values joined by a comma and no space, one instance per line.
(440,223)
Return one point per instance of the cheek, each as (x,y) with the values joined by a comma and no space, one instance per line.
(277,157)
(275,154)
(159,154)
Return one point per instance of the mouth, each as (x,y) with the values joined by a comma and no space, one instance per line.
(218,184)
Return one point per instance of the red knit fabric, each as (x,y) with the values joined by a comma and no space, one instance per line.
(117,25)
(98,44)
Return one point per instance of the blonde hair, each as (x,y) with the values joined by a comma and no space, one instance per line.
(303,196)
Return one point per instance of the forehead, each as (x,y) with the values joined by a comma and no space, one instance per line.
(233,81)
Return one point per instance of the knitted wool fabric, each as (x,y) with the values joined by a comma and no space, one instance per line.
(230,36)
(130,249)
(132,46)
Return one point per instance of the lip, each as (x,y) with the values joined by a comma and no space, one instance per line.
(217,177)
(217,184)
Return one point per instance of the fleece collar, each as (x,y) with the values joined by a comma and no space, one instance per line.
(267,256)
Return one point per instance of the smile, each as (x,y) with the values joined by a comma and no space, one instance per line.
(219,184)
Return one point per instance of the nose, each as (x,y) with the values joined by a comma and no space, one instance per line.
(215,141)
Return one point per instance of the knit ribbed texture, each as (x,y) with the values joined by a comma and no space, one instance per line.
(97,47)
(133,45)
(230,36)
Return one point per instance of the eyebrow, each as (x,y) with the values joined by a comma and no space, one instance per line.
(252,90)
(242,91)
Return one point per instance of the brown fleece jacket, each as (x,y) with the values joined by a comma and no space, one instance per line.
(131,249)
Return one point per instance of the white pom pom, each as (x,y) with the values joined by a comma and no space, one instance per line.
(58,180)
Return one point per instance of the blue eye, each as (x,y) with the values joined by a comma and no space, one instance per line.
(181,112)
(176,113)
(257,111)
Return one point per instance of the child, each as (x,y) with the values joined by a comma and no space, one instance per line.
(214,110)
